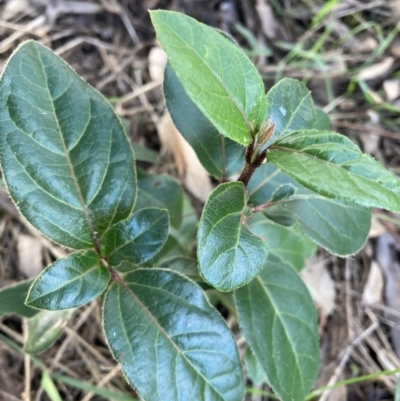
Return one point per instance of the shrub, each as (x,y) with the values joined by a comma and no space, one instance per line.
(70,169)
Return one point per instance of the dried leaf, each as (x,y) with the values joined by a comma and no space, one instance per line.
(321,286)
(269,24)
(392,89)
(190,170)
(370,141)
(15,7)
(157,62)
(366,45)
(373,289)
(376,70)
(377,228)
(30,255)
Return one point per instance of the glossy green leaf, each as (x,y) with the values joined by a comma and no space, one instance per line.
(229,254)
(45,328)
(253,368)
(340,227)
(215,73)
(220,156)
(290,107)
(69,282)
(177,258)
(333,166)
(66,160)
(145,155)
(12,299)
(136,239)
(288,243)
(186,233)
(322,121)
(163,192)
(283,192)
(171,343)
(279,321)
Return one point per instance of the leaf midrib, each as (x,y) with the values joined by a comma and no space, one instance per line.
(161,329)
(216,77)
(138,235)
(70,165)
(285,131)
(331,165)
(66,283)
(278,315)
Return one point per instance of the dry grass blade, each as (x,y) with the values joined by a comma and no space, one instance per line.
(373,290)
(31,27)
(376,70)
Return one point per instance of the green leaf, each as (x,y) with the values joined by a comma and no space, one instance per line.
(290,107)
(69,282)
(12,299)
(229,254)
(143,154)
(283,192)
(163,192)
(171,344)
(340,227)
(175,257)
(288,243)
(66,160)
(186,233)
(220,156)
(333,166)
(215,73)
(45,328)
(85,386)
(136,239)
(322,121)
(279,321)
(254,368)
(49,387)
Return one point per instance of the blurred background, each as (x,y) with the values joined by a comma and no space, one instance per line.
(347,52)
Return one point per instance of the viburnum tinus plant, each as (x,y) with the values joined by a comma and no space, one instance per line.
(70,169)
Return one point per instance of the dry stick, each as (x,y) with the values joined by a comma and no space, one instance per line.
(29,28)
(82,319)
(349,309)
(370,364)
(96,354)
(27,365)
(386,355)
(11,333)
(115,8)
(143,99)
(94,373)
(56,360)
(346,356)
(84,39)
(114,72)
(8,396)
(134,94)
(362,128)
(116,370)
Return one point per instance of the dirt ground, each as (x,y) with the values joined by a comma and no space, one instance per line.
(347,53)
